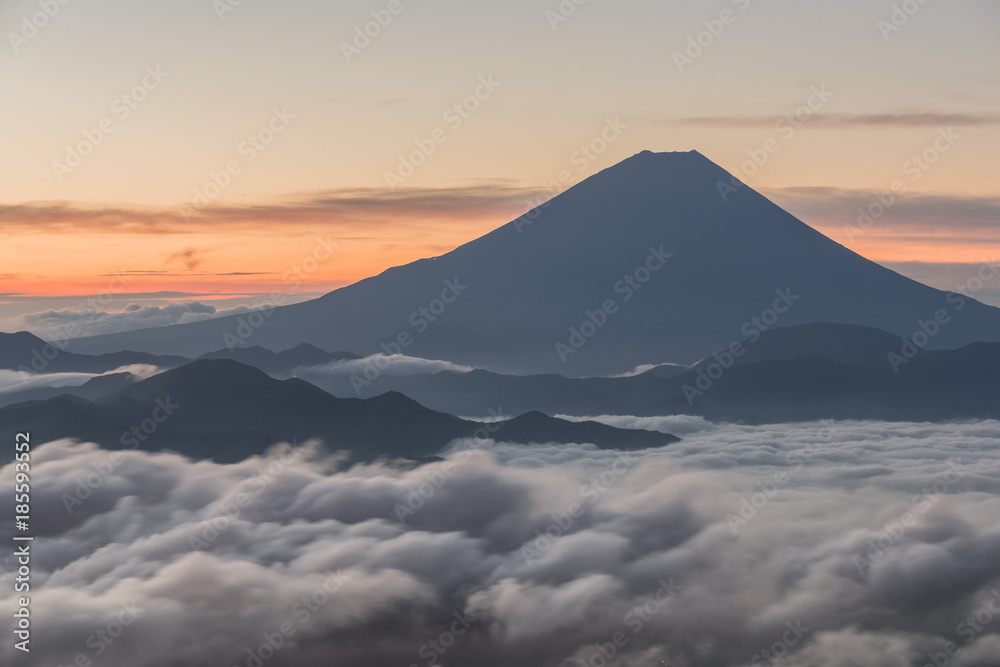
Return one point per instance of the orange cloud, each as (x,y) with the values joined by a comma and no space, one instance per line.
(262,248)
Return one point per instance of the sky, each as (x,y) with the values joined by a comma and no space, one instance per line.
(212,152)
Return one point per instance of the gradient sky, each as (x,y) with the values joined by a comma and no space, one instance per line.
(127,207)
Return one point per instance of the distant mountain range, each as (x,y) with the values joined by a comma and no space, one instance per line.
(280,363)
(939,385)
(94,388)
(27,352)
(735,310)
(807,372)
(647,262)
(225,410)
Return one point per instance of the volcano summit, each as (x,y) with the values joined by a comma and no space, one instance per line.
(586,261)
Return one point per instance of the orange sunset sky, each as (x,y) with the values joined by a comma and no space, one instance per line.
(173,152)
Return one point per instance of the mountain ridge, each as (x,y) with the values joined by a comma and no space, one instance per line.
(222,409)
(520,290)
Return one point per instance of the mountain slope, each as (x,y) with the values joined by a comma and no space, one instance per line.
(280,363)
(208,396)
(938,385)
(225,410)
(24,351)
(807,372)
(537,427)
(844,343)
(476,392)
(505,300)
(27,352)
(94,388)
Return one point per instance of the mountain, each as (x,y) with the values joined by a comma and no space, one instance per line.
(218,396)
(666,370)
(938,385)
(280,363)
(537,427)
(588,271)
(72,417)
(645,394)
(814,371)
(226,410)
(27,352)
(94,388)
(476,392)
(845,343)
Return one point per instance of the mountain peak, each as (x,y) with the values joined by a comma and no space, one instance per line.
(21,338)
(22,349)
(208,375)
(681,167)
(648,159)
(647,154)
(647,261)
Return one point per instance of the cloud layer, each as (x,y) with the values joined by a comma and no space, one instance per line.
(854,120)
(352,208)
(932,216)
(386,364)
(830,544)
(84,322)
(11,380)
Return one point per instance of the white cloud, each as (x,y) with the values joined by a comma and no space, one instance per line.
(388,365)
(15,381)
(88,322)
(141,371)
(498,536)
(11,380)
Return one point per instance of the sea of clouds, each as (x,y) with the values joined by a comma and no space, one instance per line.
(826,544)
